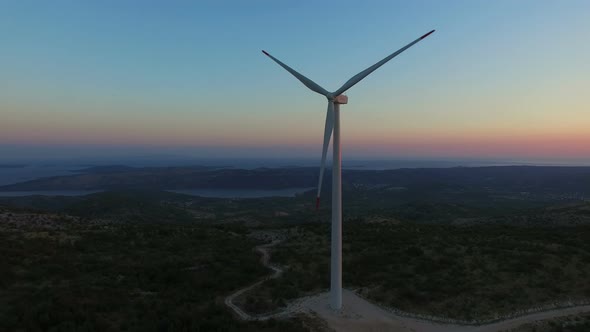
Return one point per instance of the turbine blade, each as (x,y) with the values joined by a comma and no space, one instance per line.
(358,77)
(306,81)
(327,134)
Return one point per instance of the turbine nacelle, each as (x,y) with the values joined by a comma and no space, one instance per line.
(342,99)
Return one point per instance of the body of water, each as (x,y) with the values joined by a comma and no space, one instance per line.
(242,193)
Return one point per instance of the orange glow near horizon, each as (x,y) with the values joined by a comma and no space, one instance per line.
(161,134)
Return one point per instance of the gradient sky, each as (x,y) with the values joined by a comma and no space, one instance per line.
(498,79)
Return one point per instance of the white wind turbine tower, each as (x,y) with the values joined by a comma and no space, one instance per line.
(335,99)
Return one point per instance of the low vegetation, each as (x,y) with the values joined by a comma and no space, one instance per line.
(65,275)
(158,261)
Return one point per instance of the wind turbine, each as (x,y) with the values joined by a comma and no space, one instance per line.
(335,99)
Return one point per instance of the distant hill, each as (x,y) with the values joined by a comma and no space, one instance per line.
(40,202)
(130,206)
(116,178)
(524,180)
(119,206)
(466,208)
(573,214)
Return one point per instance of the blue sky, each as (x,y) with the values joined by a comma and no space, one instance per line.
(497,79)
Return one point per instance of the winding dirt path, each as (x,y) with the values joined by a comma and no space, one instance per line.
(277,271)
(359,314)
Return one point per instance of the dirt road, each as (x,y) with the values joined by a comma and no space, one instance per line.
(359,314)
